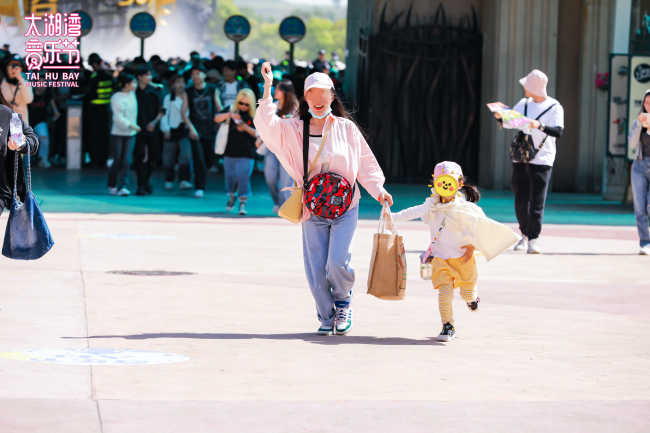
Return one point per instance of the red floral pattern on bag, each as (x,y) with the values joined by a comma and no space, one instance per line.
(328,195)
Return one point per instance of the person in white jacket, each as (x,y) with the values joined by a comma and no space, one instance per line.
(458,228)
(125,126)
(639,139)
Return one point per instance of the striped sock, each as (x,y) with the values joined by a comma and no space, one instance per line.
(445,298)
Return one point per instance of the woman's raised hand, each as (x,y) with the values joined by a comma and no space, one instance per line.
(267,73)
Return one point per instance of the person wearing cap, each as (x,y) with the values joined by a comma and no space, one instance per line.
(321,64)
(458,226)
(639,140)
(97,113)
(530,180)
(14,88)
(327,243)
(202,103)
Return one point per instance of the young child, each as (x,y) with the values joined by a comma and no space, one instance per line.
(458,227)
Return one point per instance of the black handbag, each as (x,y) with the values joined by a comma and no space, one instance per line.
(522,148)
(27,236)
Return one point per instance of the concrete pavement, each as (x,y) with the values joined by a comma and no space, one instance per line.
(560,342)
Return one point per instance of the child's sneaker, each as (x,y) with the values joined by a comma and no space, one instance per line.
(325,330)
(343,320)
(447,333)
(522,245)
(474,306)
(231,203)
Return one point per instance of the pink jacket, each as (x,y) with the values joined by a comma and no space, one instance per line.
(352,157)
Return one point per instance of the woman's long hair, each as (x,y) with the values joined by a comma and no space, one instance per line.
(643,110)
(170,85)
(290,99)
(3,101)
(472,193)
(251,100)
(338,109)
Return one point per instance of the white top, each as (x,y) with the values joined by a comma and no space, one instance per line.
(229,96)
(125,112)
(446,244)
(554,117)
(325,156)
(172,118)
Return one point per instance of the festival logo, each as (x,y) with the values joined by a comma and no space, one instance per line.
(54,49)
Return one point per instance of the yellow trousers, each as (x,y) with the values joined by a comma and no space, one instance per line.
(449,274)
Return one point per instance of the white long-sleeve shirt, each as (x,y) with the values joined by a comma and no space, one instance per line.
(446,244)
(125,113)
(173,116)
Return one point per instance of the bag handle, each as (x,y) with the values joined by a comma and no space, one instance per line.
(29,171)
(305,150)
(386,222)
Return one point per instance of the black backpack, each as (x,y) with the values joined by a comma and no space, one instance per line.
(522,148)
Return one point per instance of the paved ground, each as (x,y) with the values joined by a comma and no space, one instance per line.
(560,343)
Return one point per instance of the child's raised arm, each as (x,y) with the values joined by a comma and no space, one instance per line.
(411,213)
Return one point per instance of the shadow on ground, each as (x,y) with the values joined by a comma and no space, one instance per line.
(310,338)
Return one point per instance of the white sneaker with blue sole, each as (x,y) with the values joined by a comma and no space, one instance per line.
(343,320)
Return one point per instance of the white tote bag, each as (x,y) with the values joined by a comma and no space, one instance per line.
(222,138)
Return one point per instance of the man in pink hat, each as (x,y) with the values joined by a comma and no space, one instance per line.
(530,178)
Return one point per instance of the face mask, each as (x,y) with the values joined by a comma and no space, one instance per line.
(329,110)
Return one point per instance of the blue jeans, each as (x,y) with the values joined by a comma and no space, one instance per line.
(641,191)
(327,250)
(238,175)
(275,175)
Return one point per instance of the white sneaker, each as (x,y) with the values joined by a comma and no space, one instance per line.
(109,162)
(169,185)
(343,320)
(123,192)
(325,330)
(533,247)
(199,193)
(242,208)
(522,245)
(185,184)
(112,191)
(44,163)
(276,208)
(645,251)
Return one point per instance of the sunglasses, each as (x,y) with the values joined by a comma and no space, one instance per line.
(244,104)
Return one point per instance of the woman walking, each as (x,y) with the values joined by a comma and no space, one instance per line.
(639,139)
(8,149)
(274,172)
(125,127)
(176,135)
(327,243)
(239,157)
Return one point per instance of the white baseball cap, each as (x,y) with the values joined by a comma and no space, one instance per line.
(535,83)
(448,167)
(318,80)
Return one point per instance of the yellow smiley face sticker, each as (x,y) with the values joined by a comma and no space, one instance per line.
(445,185)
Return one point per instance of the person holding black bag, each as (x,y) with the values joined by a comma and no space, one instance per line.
(8,149)
(324,151)
(533,156)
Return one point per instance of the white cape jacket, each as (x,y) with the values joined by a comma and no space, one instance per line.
(488,236)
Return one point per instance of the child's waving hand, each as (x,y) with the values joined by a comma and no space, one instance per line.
(469,252)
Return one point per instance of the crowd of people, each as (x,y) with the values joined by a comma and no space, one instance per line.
(142,114)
